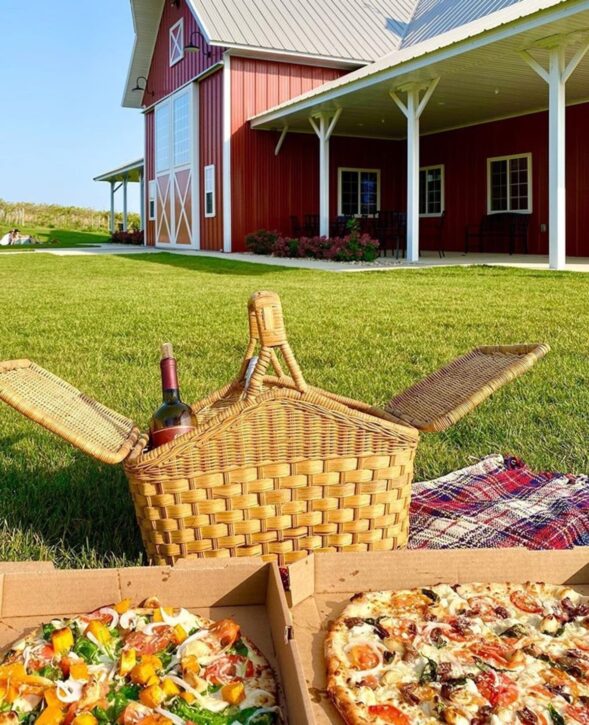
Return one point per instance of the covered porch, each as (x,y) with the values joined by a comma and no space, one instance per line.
(119,178)
(469,126)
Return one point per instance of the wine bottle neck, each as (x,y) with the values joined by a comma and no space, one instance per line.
(170,387)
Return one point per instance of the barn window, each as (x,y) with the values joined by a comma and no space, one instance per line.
(151,199)
(358,192)
(177,42)
(162,137)
(509,185)
(209,185)
(431,191)
(181,130)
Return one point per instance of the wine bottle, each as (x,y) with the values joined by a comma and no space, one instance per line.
(173,418)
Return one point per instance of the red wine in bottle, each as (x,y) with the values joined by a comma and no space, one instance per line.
(173,418)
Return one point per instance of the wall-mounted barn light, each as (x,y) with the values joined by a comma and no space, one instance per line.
(195,45)
(143,88)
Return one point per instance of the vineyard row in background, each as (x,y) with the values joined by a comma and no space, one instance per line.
(53,216)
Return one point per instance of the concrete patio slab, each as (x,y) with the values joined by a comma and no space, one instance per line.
(382,264)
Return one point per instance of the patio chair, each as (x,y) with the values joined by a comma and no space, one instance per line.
(311,225)
(296,229)
(432,229)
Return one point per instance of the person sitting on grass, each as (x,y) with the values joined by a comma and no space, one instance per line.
(9,238)
(22,239)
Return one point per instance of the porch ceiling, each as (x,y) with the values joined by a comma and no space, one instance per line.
(477,85)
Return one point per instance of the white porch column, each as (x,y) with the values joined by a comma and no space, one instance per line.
(556,76)
(125,180)
(413,109)
(112,207)
(323,124)
(141,202)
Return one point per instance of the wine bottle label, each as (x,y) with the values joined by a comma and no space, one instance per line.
(165,435)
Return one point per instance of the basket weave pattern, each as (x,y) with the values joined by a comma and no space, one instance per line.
(276,469)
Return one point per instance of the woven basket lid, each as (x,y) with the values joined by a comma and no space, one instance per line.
(64,410)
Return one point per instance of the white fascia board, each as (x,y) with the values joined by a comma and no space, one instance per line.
(291,56)
(420,56)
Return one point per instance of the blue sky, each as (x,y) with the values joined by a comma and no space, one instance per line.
(63,66)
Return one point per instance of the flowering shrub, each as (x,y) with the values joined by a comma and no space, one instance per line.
(261,242)
(127,237)
(353,247)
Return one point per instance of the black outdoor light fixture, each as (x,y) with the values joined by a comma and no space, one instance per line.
(142,88)
(175,3)
(194,47)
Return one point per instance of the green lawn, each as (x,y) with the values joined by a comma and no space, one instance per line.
(55,238)
(98,322)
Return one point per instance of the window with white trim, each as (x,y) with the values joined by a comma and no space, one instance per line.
(181,130)
(209,187)
(162,137)
(177,42)
(358,192)
(431,191)
(509,183)
(151,199)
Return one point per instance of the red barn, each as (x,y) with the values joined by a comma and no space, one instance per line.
(434,116)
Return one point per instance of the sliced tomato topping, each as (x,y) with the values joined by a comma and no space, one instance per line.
(578,713)
(228,669)
(389,713)
(525,602)
(487,608)
(149,644)
(498,689)
(227,631)
(459,630)
(410,602)
(500,654)
(363,657)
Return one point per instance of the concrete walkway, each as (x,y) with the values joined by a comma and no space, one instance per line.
(383,264)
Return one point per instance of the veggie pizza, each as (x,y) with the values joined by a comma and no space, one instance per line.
(146,665)
(467,654)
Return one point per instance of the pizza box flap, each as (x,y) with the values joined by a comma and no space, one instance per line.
(321,587)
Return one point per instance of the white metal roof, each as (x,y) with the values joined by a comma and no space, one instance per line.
(354,30)
(421,54)
(132,171)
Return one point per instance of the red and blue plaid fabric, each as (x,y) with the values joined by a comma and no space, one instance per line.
(497,503)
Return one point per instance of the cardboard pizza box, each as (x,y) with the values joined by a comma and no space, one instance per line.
(247,590)
(321,586)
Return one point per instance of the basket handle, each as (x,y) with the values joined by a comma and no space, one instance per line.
(267,327)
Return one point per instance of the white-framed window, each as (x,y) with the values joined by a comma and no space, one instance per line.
(177,42)
(509,183)
(182,129)
(431,191)
(358,192)
(151,191)
(162,137)
(209,186)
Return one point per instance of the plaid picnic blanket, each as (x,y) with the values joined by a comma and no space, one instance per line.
(499,502)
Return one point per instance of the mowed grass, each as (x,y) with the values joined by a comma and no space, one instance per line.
(98,322)
(54,238)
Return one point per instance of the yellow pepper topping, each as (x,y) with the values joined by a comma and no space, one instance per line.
(99,630)
(85,718)
(170,688)
(62,640)
(51,715)
(128,661)
(180,633)
(123,606)
(152,696)
(187,697)
(233,693)
(141,673)
(79,671)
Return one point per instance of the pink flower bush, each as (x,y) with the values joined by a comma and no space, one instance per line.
(354,247)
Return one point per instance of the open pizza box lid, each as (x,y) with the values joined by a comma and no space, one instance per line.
(433,404)
(247,590)
(322,584)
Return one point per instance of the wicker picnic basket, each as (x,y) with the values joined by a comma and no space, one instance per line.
(275,468)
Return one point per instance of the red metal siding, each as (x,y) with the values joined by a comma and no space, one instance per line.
(465,152)
(211,152)
(162,78)
(149,175)
(267,189)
